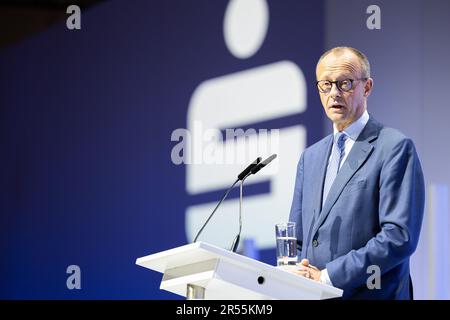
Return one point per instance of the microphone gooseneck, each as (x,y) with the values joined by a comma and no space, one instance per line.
(252,168)
(241,176)
(215,209)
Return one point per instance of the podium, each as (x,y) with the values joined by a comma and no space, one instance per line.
(203,271)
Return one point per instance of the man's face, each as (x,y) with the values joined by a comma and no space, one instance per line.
(341,107)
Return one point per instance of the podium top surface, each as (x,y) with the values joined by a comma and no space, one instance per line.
(189,254)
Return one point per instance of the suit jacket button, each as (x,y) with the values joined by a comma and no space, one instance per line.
(315,243)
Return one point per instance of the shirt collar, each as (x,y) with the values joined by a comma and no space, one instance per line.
(356,127)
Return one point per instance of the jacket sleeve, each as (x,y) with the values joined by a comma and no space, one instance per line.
(401,205)
(296,207)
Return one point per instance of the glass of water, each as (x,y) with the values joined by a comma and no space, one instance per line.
(286,244)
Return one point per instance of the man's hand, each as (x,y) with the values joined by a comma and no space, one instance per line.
(307,270)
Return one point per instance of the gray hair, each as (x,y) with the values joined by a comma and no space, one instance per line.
(364,62)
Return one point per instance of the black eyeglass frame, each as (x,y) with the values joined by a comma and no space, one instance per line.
(338,82)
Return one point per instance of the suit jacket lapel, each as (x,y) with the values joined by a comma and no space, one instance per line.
(317,169)
(320,171)
(358,155)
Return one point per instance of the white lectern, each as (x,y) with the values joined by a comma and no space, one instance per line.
(203,271)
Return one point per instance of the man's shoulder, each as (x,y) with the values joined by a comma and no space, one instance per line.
(319,146)
(391,141)
(390,137)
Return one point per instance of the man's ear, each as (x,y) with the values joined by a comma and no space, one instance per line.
(368,87)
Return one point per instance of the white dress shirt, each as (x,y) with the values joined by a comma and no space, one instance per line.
(352,132)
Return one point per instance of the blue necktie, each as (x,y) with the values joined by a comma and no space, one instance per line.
(333,168)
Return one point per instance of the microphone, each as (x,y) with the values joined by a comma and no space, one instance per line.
(262,164)
(244,173)
(251,171)
(241,176)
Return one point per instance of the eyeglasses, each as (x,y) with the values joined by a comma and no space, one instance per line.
(345,85)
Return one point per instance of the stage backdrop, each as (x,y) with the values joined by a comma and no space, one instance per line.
(114,140)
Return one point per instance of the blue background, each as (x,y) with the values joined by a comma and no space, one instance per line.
(86,119)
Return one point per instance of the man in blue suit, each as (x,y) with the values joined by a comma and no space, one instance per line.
(359,193)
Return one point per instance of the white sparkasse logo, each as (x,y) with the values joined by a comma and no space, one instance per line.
(238,100)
